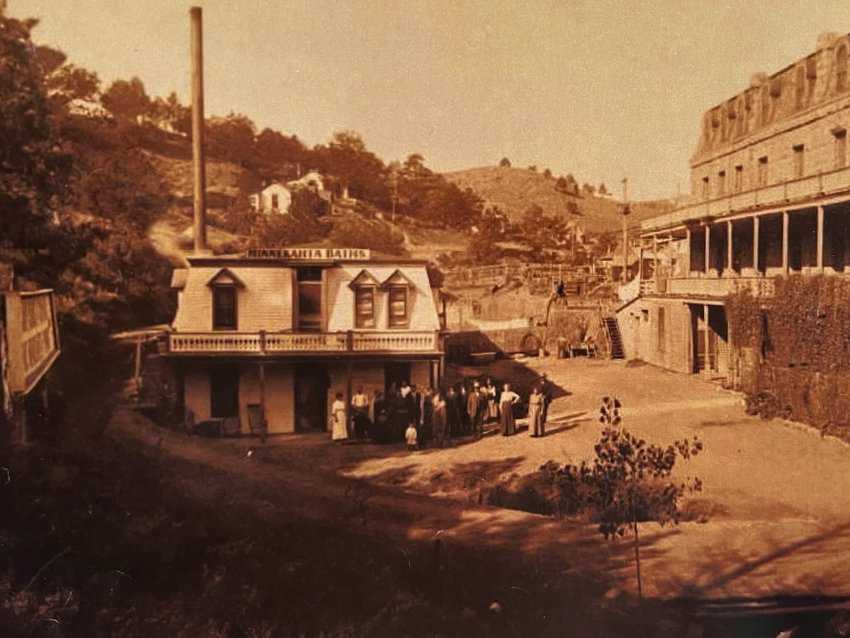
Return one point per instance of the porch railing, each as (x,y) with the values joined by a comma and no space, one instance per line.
(787,192)
(303,342)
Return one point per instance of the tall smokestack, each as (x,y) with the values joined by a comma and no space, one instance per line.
(198,131)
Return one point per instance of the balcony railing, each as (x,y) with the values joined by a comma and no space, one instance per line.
(788,192)
(276,343)
(715,286)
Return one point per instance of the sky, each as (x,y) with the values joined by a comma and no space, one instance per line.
(601,89)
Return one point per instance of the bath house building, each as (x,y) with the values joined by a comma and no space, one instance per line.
(770,196)
(286,329)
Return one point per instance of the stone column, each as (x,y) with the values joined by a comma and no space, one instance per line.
(706,341)
(820,239)
(688,254)
(707,248)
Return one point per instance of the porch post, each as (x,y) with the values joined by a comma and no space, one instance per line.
(707,247)
(264,426)
(756,243)
(655,257)
(137,368)
(688,243)
(785,222)
(348,397)
(820,239)
(729,233)
(706,341)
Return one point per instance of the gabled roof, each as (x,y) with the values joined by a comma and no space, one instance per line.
(225,277)
(398,278)
(364,278)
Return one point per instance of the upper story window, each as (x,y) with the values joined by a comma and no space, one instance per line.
(225,300)
(840,136)
(275,201)
(799,160)
(224,308)
(841,68)
(399,316)
(364,307)
(399,289)
(310,295)
(706,188)
(721,183)
(763,171)
(365,287)
(739,178)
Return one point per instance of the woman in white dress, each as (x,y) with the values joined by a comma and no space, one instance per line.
(339,431)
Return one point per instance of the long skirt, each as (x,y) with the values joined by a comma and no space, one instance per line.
(492,409)
(507,423)
(339,431)
(536,426)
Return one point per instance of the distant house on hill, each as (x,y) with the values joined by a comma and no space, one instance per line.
(274,198)
(311,179)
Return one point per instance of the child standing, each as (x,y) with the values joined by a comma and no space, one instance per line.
(410,436)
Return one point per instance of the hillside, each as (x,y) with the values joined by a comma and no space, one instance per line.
(514,190)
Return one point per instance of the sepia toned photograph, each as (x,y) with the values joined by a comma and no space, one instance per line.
(452,318)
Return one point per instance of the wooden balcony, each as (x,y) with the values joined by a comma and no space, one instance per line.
(700,287)
(32,336)
(791,192)
(295,343)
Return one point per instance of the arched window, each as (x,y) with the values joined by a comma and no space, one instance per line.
(841,69)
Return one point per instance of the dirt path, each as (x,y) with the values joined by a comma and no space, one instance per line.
(788,551)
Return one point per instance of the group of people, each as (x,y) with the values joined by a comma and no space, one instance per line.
(437,416)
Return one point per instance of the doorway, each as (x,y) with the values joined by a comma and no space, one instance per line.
(395,373)
(311,397)
(224,391)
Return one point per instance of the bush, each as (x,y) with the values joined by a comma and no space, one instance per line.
(357,232)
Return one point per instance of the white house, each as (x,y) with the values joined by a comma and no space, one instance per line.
(284,330)
(274,198)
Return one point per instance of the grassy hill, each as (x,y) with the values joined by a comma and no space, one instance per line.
(514,190)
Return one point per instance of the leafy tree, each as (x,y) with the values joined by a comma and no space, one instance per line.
(561,184)
(127,100)
(505,163)
(588,189)
(171,112)
(602,190)
(541,231)
(71,82)
(628,480)
(547,174)
(533,168)
(232,138)
(35,162)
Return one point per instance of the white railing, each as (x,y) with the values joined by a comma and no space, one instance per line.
(306,342)
(790,191)
(394,342)
(719,286)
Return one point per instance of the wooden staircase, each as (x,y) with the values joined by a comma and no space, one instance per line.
(615,340)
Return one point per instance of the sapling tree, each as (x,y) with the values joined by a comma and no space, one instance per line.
(629,480)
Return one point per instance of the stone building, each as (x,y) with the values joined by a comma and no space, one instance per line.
(284,330)
(770,195)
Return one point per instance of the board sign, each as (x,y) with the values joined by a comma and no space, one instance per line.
(310,254)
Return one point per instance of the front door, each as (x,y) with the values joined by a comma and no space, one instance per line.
(395,374)
(224,391)
(311,397)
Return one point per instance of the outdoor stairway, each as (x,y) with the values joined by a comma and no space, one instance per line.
(614,338)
